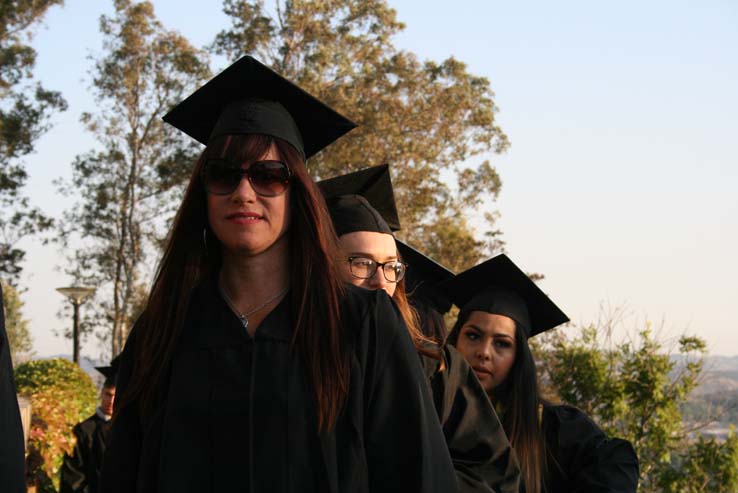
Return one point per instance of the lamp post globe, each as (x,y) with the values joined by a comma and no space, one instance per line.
(76,295)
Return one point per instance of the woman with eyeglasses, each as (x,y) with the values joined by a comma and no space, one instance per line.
(369,258)
(559,448)
(254,368)
(364,214)
(479,449)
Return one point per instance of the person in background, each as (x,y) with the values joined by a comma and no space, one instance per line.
(253,367)
(559,448)
(80,472)
(422,279)
(12,453)
(479,449)
(363,210)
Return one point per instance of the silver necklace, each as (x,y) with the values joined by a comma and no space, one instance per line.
(244,317)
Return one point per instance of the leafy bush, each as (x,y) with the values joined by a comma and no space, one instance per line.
(62,395)
(635,390)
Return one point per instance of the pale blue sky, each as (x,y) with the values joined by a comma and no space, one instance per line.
(621,182)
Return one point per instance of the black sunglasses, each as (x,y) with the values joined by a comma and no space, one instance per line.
(267,178)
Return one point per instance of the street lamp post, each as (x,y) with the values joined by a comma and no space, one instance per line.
(77,295)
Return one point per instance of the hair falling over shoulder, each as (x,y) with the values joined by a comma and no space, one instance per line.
(316,289)
(424,344)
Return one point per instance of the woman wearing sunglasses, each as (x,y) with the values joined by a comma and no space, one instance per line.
(560,450)
(253,367)
(479,449)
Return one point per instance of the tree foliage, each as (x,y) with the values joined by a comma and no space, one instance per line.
(126,190)
(49,383)
(19,336)
(708,465)
(434,122)
(25,109)
(636,390)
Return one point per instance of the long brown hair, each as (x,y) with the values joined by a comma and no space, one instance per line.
(192,253)
(423,344)
(519,398)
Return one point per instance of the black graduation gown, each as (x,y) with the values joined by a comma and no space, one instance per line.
(480,450)
(581,458)
(239,414)
(12,449)
(80,472)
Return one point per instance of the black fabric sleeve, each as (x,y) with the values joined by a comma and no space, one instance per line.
(405,447)
(480,451)
(589,460)
(614,470)
(12,461)
(73,476)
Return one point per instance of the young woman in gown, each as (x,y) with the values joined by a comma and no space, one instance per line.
(559,448)
(479,449)
(253,367)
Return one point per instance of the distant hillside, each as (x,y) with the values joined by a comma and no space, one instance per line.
(722,363)
(717,382)
(720,374)
(715,400)
(714,363)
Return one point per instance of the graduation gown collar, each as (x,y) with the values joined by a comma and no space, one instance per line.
(224,328)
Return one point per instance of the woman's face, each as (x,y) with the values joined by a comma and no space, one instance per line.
(487,342)
(379,247)
(247,223)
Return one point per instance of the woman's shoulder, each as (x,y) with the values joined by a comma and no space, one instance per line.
(583,454)
(569,430)
(357,300)
(370,309)
(355,294)
(571,435)
(374,323)
(570,424)
(564,412)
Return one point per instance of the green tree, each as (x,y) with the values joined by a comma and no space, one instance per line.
(434,122)
(636,390)
(708,466)
(25,109)
(126,190)
(19,337)
(50,383)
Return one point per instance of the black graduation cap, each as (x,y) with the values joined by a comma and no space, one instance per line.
(423,278)
(250,98)
(362,201)
(499,286)
(110,371)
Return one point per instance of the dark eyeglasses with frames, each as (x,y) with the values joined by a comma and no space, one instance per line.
(267,178)
(365,268)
